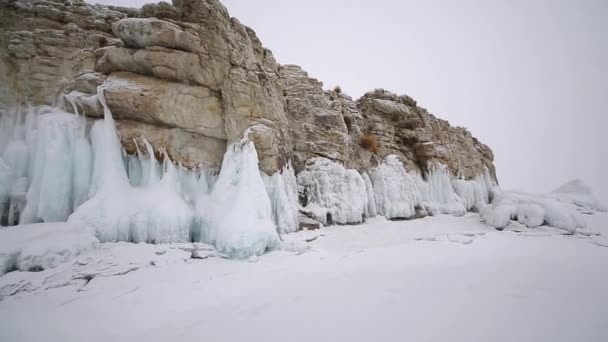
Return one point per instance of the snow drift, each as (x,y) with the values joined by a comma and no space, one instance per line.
(41,246)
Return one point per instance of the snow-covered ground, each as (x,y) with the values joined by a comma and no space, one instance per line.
(439,278)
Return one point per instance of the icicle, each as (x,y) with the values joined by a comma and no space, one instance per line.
(282,189)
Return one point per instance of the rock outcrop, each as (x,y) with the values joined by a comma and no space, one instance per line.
(191,79)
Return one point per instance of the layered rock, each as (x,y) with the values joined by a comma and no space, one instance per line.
(190,79)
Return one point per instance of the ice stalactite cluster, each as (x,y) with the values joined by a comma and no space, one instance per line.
(475,192)
(371,210)
(397,195)
(332,194)
(44,165)
(282,188)
(438,193)
(57,167)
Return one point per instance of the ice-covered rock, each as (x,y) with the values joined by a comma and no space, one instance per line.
(532,211)
(331,193)
(396,192)
(236,216)
(282,188)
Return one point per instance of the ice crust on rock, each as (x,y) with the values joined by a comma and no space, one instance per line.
(43,245)
(333,194)
(396,192)
(282,188)
(236,217)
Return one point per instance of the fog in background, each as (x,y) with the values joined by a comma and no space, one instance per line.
(528,78)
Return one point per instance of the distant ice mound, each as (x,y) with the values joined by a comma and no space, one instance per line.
(579,194)
(562,208)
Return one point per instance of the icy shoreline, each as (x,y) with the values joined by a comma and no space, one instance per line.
(57,167)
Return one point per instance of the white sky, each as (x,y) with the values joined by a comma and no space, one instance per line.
(527,77)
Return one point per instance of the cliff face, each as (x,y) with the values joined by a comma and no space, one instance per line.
(191,79)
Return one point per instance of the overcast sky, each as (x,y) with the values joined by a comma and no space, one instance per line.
(527,77)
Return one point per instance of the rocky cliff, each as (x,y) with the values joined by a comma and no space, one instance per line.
(191,79)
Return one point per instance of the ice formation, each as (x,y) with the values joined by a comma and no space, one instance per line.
(282,188)
(371,210)
(396,192)
(236,216)
(334,195)
(54,168)
(117,211)
(44,152)
(439,193)
(476,193)
(41,246)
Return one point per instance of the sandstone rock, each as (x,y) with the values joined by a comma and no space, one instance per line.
(192,108)
(163,63)
(143,32)
(318,128)
(306,223)
(88,81)
(192,79)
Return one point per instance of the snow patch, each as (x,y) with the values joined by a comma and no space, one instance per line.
(41,246)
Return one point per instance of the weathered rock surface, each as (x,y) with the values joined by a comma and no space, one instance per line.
(189,78)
